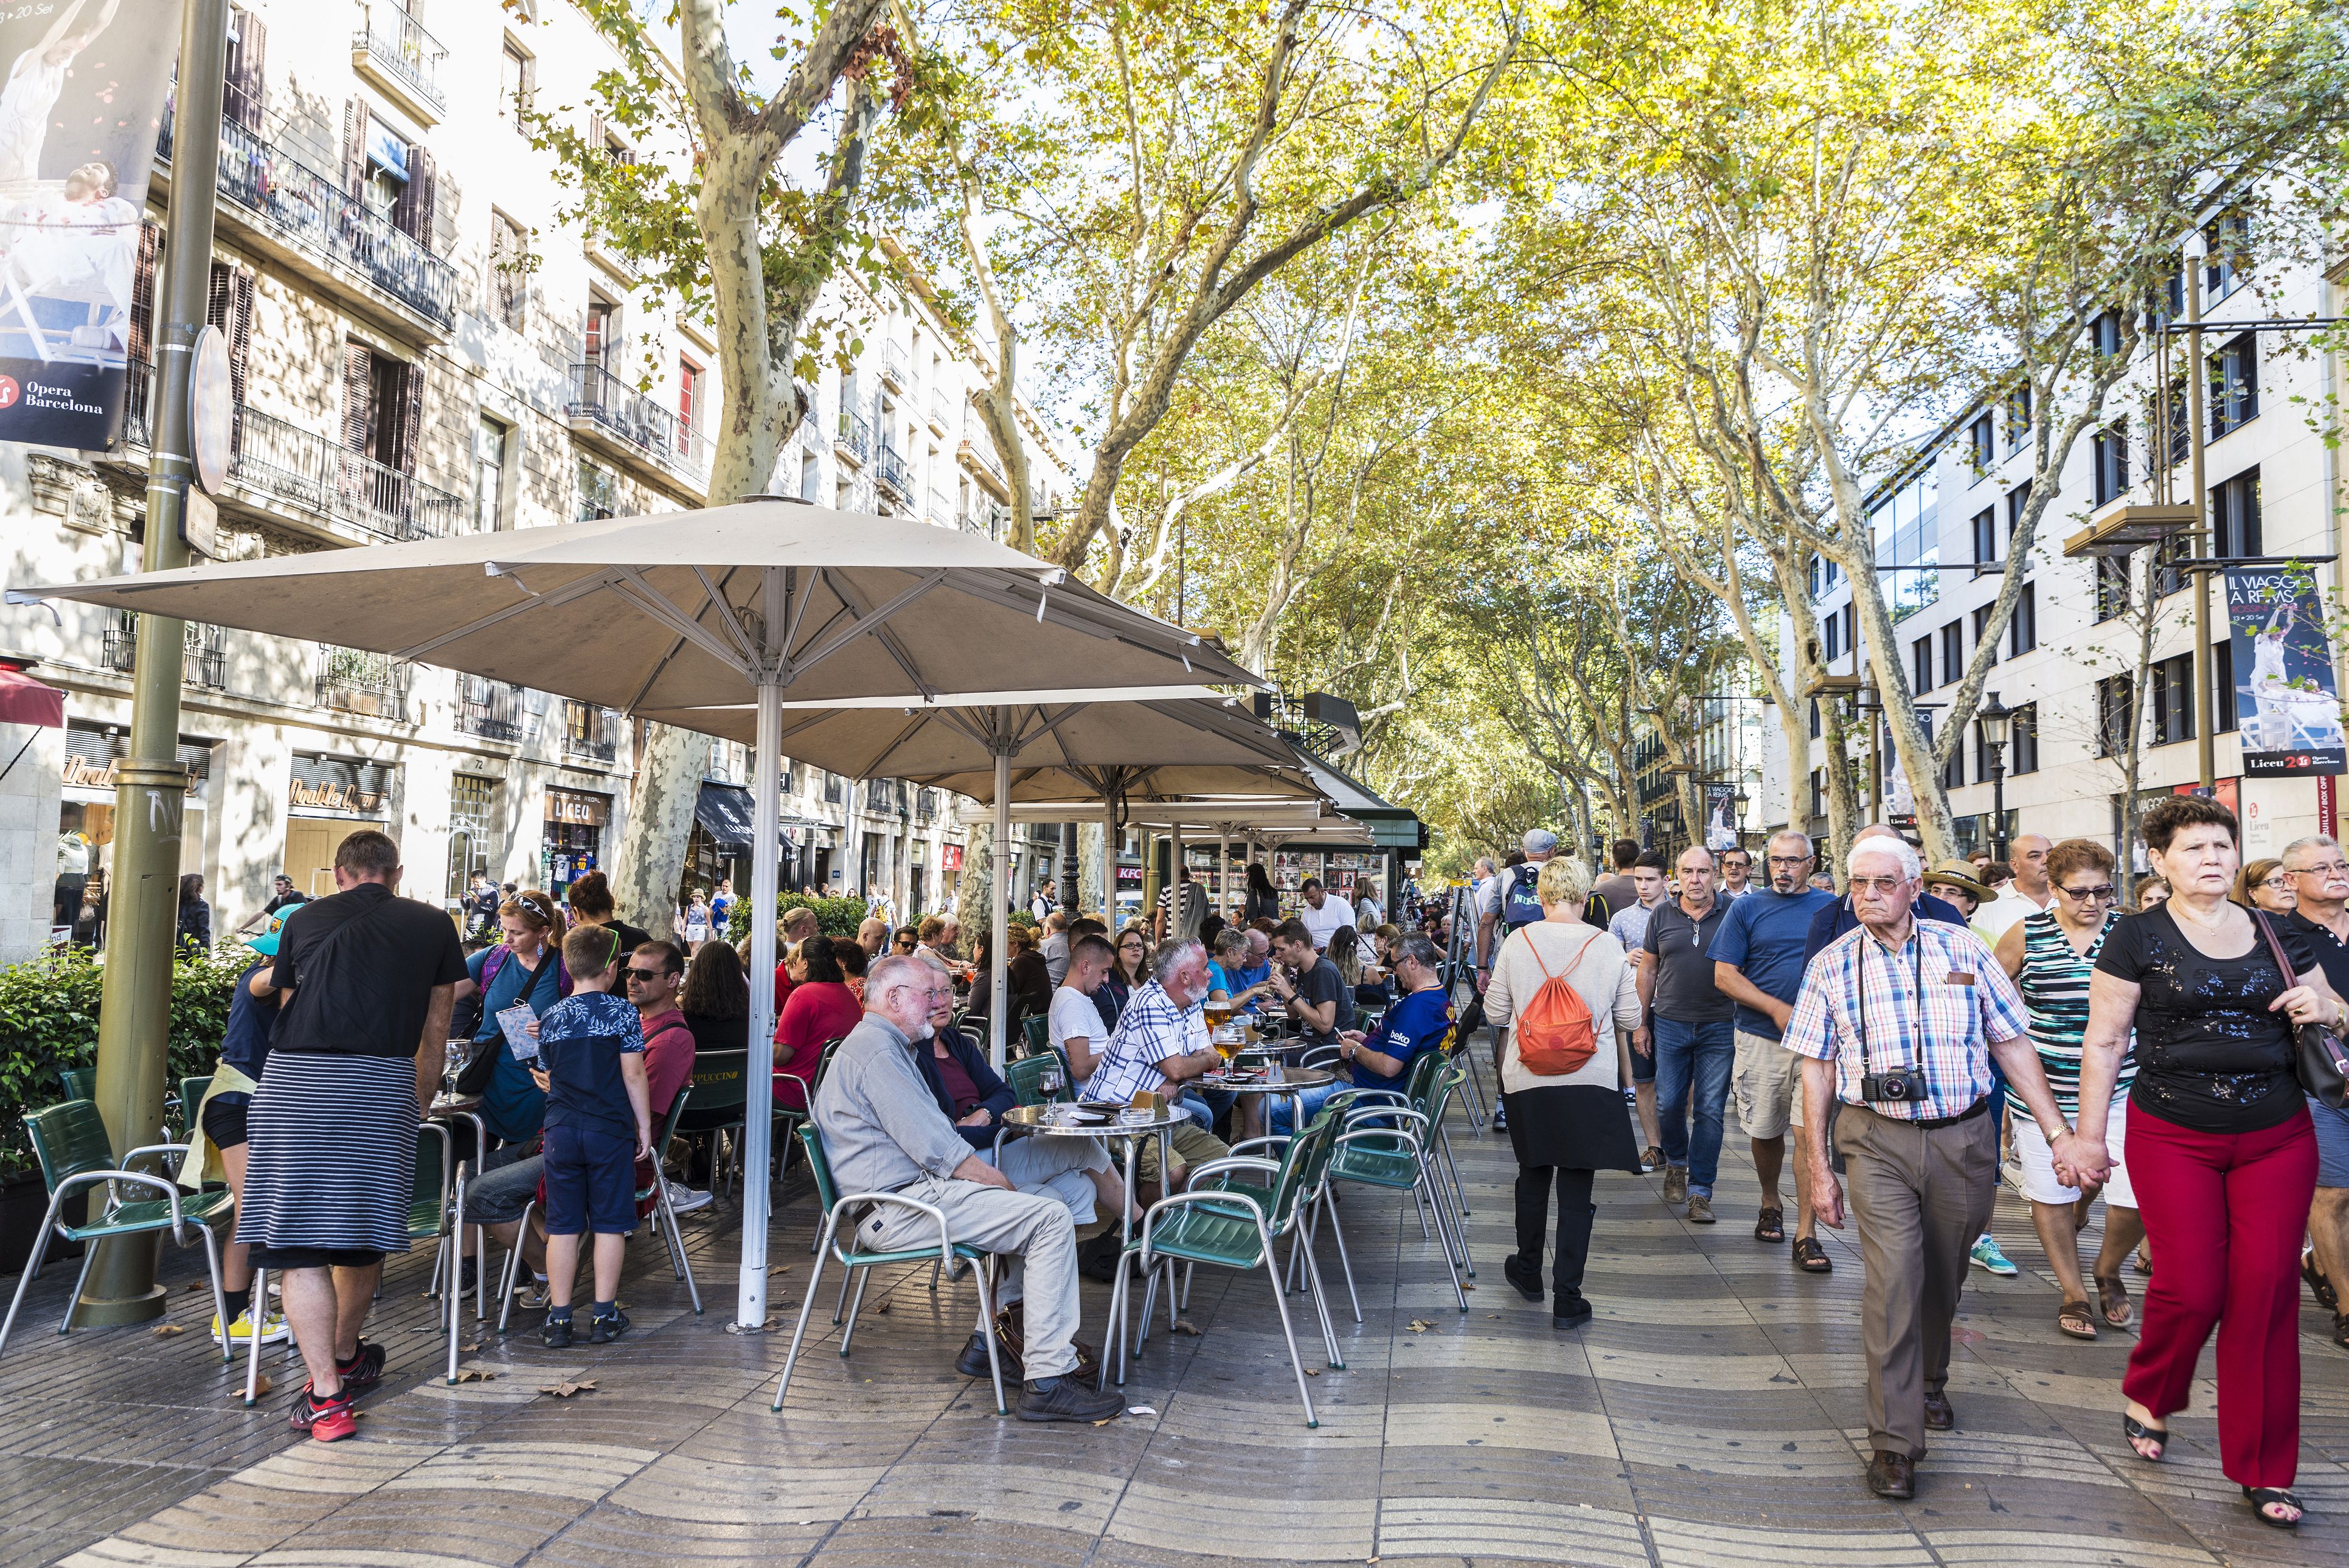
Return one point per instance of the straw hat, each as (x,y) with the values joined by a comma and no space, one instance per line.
(1957,873)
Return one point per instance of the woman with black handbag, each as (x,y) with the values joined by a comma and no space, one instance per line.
(2220,1144)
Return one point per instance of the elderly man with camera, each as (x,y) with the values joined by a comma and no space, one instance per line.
(1899,1020)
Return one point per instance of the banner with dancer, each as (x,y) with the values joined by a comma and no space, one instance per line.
(2286,705)
(80,110)
(1720,817)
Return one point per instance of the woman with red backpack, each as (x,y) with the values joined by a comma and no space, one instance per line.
(1562,1002)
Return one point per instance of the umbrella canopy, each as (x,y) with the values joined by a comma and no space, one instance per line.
(1265,817)
(709,609)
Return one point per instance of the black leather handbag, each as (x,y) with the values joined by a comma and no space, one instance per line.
(2319,1057)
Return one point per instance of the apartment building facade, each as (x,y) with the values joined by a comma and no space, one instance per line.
(421,348)
(2066,663)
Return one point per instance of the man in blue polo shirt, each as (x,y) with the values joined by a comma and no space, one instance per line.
(1757,963)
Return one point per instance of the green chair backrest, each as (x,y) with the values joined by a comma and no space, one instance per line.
(668,1124)
(1325,1140)
(191,1095)
(80,1083)
(1038,1030)
(827,1191)
(1424,1070)
(722,1086)
(1305,1154)
(1022,1076)
(70,1141)
(429,1146)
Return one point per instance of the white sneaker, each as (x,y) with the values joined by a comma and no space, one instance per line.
(684,1200)
(272,1329)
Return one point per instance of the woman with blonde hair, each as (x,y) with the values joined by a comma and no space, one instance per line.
(1565,1122)
(524,969)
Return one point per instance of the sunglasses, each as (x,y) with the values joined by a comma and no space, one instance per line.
(2103,891)
(648,975)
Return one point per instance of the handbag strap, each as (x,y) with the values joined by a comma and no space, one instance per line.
(2275,948)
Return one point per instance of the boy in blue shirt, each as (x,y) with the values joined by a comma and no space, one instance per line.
(598,1124)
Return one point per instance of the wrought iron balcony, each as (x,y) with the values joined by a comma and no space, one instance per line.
(589,731)
(490,710)
(892,470)
(318,216)
(204,656)
(354,680)
(610,405)
(893,367)
(855,438)
(395,43)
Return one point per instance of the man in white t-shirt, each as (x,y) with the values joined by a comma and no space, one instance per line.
(1075,1022)
(2027,895)
(1323,913)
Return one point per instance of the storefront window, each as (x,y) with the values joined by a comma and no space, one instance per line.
(471,811)
(573,841)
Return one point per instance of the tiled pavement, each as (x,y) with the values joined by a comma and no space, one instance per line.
(1707,1417)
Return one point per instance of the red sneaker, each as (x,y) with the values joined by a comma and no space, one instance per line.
(329,1420)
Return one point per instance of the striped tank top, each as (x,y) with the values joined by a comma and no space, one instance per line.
(2055,987)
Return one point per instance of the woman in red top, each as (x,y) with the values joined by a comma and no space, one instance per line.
(821,1007)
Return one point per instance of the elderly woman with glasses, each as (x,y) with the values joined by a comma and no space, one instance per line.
(2049,955)
(2265,884)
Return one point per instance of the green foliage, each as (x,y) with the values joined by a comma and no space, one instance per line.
(48,1020)
(833,916)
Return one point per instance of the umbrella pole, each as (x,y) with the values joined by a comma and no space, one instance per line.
(1109,864)
(999,889)
(757,1111)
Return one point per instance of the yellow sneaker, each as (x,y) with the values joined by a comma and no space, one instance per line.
(272,1329)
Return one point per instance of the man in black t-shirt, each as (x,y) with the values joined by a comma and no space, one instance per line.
(1308,984)
(284,897)
(365,981)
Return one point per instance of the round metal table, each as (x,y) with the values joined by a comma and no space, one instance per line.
(1056,1121)
(1291,1084)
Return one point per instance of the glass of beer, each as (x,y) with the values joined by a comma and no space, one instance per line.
(1218,1014)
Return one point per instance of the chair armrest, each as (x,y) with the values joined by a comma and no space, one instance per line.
(946,1242)
(1235,1162)
(1185,1200)
(170,1190)
(1381,1096)
(1321,1056)
(1273,1139)
(1400,1135)
(1389,1112)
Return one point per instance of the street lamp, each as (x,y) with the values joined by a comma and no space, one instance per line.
(1995,718)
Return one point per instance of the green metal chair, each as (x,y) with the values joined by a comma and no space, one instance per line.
(76,1155)
(658,1191)
(191,1099)
(1038,1031)
(80,1083)
(1233,1228)
(791,1118)
(721,1089)
(1389,1144)
(850,1209)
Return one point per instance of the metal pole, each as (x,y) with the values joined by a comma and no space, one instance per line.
(1109,864)
(2206,739)
(1000,891)
(758,1079)
(1998,801)
(1224,869)
(151,786)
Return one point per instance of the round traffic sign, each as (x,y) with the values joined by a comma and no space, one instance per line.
(212,409)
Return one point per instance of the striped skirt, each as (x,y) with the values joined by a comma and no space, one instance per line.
(332,1153)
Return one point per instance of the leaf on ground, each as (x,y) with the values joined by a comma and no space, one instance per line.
(469,1349)
(566,1388)
(779,1268)
(1418,1325)
(195,1284)
(1467,1284)
(1105,1420)
(1313,1371)
(881,1308)
(1185,1325)
(475,1375)
(261,1385)
(165,1330)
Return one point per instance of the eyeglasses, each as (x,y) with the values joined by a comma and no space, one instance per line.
(2329,869)
(1878,885)
(1790,861)
(2102,892)
(2275,881)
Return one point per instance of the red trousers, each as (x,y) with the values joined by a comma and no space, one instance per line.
(2224,1213)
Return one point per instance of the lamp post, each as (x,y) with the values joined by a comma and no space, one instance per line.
(1737,804)
(1994,717)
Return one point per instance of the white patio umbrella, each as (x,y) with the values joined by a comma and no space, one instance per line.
(1091,752)
(727,605)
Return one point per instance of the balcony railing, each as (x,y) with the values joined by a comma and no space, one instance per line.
(353,680)
(399,42)
(941,409)
(317,214)
(204,651)
(599,395)
(982,454)
(892,366)
(589,731)
(941,509)
(892,470)
(855,436)
(925,806)
(985,520)
(490,710)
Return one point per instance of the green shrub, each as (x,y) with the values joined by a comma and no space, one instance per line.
(48,1020)
(833,916)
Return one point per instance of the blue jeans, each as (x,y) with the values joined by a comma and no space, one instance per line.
(1276,1114)
(1698,1055)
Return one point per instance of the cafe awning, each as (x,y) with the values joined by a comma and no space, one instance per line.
(1390,826)
(724,811)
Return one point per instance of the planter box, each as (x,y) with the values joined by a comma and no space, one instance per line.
(23,1200)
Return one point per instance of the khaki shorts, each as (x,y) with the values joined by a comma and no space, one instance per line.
(1767,1080)
(1194,1146)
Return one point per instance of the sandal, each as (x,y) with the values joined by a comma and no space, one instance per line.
(2318,1285)
(2137,1433)
(1771,1226)
(2263,1497)
(2113,1300)
(1812,1258)
(2143,1262)
(2074,1320)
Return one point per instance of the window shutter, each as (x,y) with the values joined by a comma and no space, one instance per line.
(358,397)
(416,202)
(354,137)
(248,54)
(410,435)
(230,308)
(142,293)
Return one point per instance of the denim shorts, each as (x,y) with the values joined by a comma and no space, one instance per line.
(591,1182)
(2331,1145)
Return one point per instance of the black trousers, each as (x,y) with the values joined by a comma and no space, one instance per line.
(1575,1209)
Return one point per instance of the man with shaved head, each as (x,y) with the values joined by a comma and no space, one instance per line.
(2027,894)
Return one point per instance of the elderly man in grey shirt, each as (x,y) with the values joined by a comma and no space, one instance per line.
(883,1132)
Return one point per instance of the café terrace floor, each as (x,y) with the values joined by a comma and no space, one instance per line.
(1709,1416)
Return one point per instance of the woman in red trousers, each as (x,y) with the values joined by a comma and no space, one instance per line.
(2220,1147)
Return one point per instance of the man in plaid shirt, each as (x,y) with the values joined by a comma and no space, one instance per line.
(1150,1047)
(1899,1020)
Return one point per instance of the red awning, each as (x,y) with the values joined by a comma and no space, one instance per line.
(24,700)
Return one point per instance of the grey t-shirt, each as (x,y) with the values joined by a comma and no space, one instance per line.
(1322,984)
(1682,948)
(1619,892)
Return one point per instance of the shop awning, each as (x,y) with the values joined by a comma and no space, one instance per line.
(1390,826)
(724,812)
(24,700)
